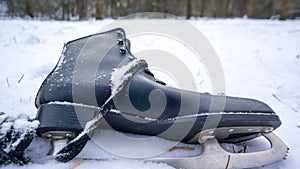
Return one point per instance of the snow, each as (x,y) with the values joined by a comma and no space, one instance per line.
(21,127)
(260,59)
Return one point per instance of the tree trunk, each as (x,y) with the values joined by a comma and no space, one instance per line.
(99,9)
(188,9)
(29,5)
(82,8)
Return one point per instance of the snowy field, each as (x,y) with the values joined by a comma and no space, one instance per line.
(260,58)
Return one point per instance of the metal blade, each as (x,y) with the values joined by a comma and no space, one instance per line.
(214,156)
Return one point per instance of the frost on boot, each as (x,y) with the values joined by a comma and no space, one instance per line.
(15,136)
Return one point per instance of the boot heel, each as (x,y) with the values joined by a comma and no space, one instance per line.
(63,117)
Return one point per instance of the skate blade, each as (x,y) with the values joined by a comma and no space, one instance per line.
(231,134)
(214,156)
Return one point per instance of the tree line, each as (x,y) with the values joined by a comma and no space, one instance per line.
(99,9)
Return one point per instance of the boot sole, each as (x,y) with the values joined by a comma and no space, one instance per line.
(70,117)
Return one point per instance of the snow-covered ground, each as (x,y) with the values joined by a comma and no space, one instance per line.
(260,58)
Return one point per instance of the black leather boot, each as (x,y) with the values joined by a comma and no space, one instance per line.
(81,83)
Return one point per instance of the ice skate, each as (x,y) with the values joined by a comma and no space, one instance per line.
(97,75)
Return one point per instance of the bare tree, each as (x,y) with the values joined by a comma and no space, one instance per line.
(82,8)
(29,6)
(99,9)
(188,9)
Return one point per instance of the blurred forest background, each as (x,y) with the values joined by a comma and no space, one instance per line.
(99,9)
